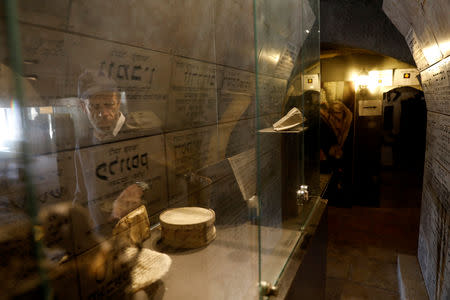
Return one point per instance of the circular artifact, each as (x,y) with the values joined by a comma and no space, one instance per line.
(187,227)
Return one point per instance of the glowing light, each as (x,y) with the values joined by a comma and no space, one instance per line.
(10,129)
(361,81)
(432,54)
(307,31)
(275,57)
(445,46)
(372,80)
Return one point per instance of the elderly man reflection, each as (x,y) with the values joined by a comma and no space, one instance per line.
(103,112)
(100,99)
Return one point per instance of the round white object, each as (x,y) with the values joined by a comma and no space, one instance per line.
(187,216)
(187,227)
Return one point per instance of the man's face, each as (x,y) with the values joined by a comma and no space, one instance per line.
(102,110)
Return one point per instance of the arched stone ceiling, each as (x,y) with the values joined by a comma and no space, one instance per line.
(361,24)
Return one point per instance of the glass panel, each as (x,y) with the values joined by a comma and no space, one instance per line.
(22,262)
(113,113)
(126,104)
(288,98)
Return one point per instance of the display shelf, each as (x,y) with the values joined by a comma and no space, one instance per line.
(200,273)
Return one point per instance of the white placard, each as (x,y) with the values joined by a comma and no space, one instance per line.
(370,108)
(311,82)
(380,78)
(406,77)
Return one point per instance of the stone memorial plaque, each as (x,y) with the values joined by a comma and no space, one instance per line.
(244,170)
(436,86)
(271,47)
(429,220)
(427,265)
(438,138)
(143,75)
(234,34)
(104,171)
(436,17)
(50,130)
(216,171)
(227,202)
(202,183)
(412,9)
(235,106)
(445,284)
(236,94)
(187,152)
(437,179)
(433,233)
(286,61)
(272,92)
(50,13)
(416,48)
(394,10)
(427,40)
(236,137)
(280,39)
(44,54)
(270,167)
(186,24)
(46,172)
(192,100)
(271,208)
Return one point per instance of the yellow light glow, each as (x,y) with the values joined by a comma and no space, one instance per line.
(444,46)
(362,80)
(432,54)
(275,57)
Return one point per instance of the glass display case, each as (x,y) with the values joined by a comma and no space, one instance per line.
(157,149)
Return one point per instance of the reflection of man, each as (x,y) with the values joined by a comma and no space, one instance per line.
(100,100)
(339,119)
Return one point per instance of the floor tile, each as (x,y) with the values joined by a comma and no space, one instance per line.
(353,291)
(334,288)
(387,255)
(374,273)
(338,266)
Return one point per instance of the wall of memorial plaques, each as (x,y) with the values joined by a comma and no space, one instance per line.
(112,112)
(426,27)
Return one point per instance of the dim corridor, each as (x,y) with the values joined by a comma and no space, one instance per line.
(363,243)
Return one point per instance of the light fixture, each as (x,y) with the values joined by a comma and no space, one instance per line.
(362,79)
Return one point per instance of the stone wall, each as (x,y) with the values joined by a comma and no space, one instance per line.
(426,28)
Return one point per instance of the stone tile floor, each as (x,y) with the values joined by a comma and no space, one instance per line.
(362,250)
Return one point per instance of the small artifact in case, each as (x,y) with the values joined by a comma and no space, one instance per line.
(292,119)
(187,227)
(134,228)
